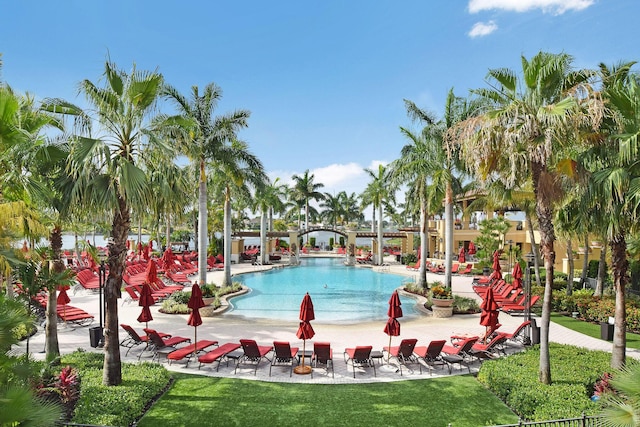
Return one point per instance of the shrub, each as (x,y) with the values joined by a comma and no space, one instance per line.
(464,305)
(410,258)
(415,289)
(575,370)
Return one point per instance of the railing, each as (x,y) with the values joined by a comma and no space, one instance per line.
(583,421)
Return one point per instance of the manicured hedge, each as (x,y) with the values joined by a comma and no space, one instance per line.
(574,371)
(119,405)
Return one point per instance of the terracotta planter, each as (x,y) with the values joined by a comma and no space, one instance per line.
(442,302)
(208,301)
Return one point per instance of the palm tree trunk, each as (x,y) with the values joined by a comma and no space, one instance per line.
(264,256)
(373,222)
(112,370)
(380,239)
(602,271)
(571,267)
(140,229)
(167,231)
(422,272)
(448,224)
(585,263)
(202,226)
(547,238)
(227,241)
(619,266)
(534,249)
(51,328)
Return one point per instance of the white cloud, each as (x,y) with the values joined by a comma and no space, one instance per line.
(556,7)
(481,29)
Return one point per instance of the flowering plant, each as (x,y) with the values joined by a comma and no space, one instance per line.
(438,291)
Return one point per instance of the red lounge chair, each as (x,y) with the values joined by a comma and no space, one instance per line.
(75,315)
(218,354)
(187,351)
(467,269)
(322,354)
(489,350)
(163,345)
(360,357)
(404,353)
(134,339)
(414,267)
(431,355)
(518,334)
(284,355)
(460,354)
(253,354)
(455,268)
(517,308)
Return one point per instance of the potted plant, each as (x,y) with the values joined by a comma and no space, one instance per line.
(208,294)
(441,296)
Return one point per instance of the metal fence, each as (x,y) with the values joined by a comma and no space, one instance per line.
(583,421)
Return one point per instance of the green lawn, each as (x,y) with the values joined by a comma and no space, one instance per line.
(196,401)
(590,329)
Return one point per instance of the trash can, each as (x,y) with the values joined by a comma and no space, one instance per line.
(398,257)
(606,331)
(95,336)
(485,271)
(535,333)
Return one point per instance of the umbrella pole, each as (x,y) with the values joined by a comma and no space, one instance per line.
(389,352)
(303,369)
(195,344)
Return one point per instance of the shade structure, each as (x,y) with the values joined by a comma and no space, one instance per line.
(516,274)
(497,271)
(461,258)
(63,299)
(489,315)
(195,304)
(392,327)
(471,249)
(151,273)
(305,331)
(146,300)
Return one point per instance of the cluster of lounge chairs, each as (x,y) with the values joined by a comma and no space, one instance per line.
(461,351)
(440,268)
(509,299)
(66,313)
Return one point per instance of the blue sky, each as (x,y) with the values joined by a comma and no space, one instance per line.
(324,80)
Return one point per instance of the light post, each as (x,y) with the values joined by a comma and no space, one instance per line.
(510,243)
(529,257)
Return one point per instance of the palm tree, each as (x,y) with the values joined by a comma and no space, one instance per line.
(517,137)
(623,406)
(304,189)
(107,172)
(417,164)
(379,191)
(202,137)
(614,183)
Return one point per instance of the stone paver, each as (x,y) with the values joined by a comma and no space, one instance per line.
(225,329)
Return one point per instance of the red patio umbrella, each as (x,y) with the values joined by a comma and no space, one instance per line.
(516,273)
(145,252)
(139,247)
(461,258)
(146,300)
(195,304)
(167,259)
(305,331)
(63,299)
(489,315)
(151,272)
(497,272)
(472,248)
(392,328)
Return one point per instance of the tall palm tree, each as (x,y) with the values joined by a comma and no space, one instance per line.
(517,137)
(379,191)
(107,172)
(417,164)
(304,190)
(202,137)
(615,182)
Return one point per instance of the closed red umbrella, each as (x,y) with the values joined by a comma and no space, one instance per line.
(305,331)
(151,272)
(461,258)
(516,273)
(472,248)
(392,328)
(139,247)
(195,304)
(167,259)
(146,300)
(489,315)
(497,272)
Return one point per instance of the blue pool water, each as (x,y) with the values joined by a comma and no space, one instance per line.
(351,294)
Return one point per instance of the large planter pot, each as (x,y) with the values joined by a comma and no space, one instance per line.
(442,302)
(208,301)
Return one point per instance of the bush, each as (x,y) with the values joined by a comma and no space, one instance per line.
(115,406)
(464,305)
(575,370)
(410,258)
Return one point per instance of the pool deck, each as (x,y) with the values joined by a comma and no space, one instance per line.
(226,329)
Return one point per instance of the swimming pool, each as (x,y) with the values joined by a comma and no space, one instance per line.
(340,294)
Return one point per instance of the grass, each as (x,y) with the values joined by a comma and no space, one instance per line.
(195,401)
(591,329)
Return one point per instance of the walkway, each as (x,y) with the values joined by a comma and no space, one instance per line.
(225,329)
